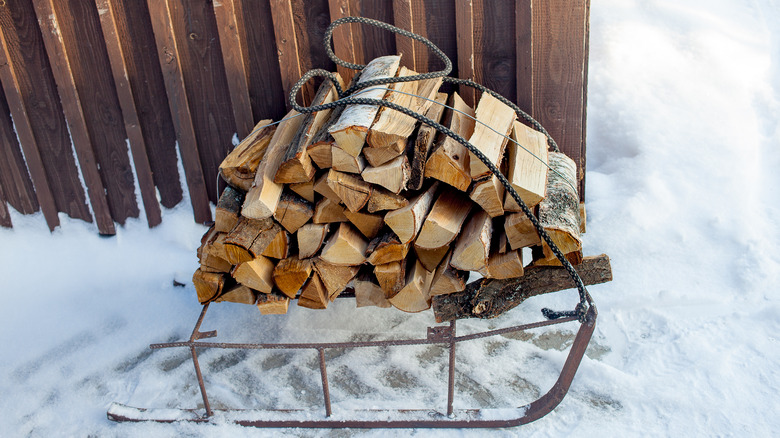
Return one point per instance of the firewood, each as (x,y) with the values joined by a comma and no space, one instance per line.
(406,222)
(310,239)
(240,166)
(321,154)
(386,248)
(583,218)
(527,170)
(352,127)
(520,232)
(391,277)
(215,245)
(391,126)
(228,209)
(262,198)
(488,192)
(423,141)
(415,295)
(444,221)
(238,293)
(249,238)
(212,263)
(431,257)
(256,274)
(368,224)
(321,186)
(353,191)
(327,211)
(290,274)
(559,212)
(368,293)
(392,175)
(208,285)
(494,120)
(344,162)
(292,211)
(272,304)
(446,279)
(207,237)
(346,248)
(313,294)
(379,156)
(488,298)
(449,161)
(334,277)
(304,189)
(472,248)
(504,265)
(383,199)
(296,166)
(279,248)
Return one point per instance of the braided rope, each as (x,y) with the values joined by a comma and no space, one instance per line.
(346,98)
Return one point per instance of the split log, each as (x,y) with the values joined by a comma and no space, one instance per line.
(352,127)
(215,246)
(583,218)
(382,199)
(447,280)
(272,304)
(334,278)
(449,162)
(346,248)
(262,198)
(321,186)
(321,154)
(319,149)
(368,293)
(406,222)
(386,248)
(559,212)
(208,285)
(212,263)
(310,239)
(249,238)
(504,265)
(353,191)
(472,248)
(488,298)
(228,209)
(238,293)
(313,294)
(368,224)
(279,248)
(291,273)
(327,211)
(304,189)
(344,162)
(430,257)
(296,166)
(445,220)
(494,121)
(256,274)
(415,295)
(379,156)
(391,277)
(527,166)
(240,166)
(292,211)
(392,175)
(423,141)
(488,192)
(520,232)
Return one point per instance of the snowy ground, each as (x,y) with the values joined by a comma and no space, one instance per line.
(683,152)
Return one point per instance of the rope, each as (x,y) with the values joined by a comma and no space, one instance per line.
(346,97)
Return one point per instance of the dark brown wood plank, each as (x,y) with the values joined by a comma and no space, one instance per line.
(439,26)
(524,55)
(494,51)
(464,26)
(287,45)
(265,82)
(32,98)
(231,41)
(16,182)
(195,29)
(5,216)
(171,65)
(342,44)
(559,74)
(371,42)
(404,18)
(583,149)
(317,21)
(109,26)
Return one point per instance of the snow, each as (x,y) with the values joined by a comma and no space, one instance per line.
(683,109)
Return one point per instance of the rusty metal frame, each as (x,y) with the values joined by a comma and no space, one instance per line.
(403,418)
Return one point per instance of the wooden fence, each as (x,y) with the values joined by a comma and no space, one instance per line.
(99,94)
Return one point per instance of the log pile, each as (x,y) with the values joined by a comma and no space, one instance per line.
(365,199)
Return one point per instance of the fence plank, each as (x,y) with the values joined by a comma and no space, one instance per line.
(108,21)
(464,25)
(287,46)
(371,42)
(559,75)
(494,51)
(438,25)
(171,64)
(5,216)
(403,16)
(43,133)
(233,56)
(265,81)
(19,191)
(317,20)
(524,55)
(343,45)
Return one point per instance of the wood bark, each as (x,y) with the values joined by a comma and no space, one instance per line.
(423,141)
(228,209)
(559,212)
(240,165)
(272,304)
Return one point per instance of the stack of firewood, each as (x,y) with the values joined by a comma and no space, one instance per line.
(367,198)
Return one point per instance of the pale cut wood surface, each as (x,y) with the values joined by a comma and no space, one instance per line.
(351,189)
(415,295)
(443,223)
(527,166)
(494,120)
(392,175)
(472,248)
(406,222)
(346,248)
(449,162)
(256,273)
